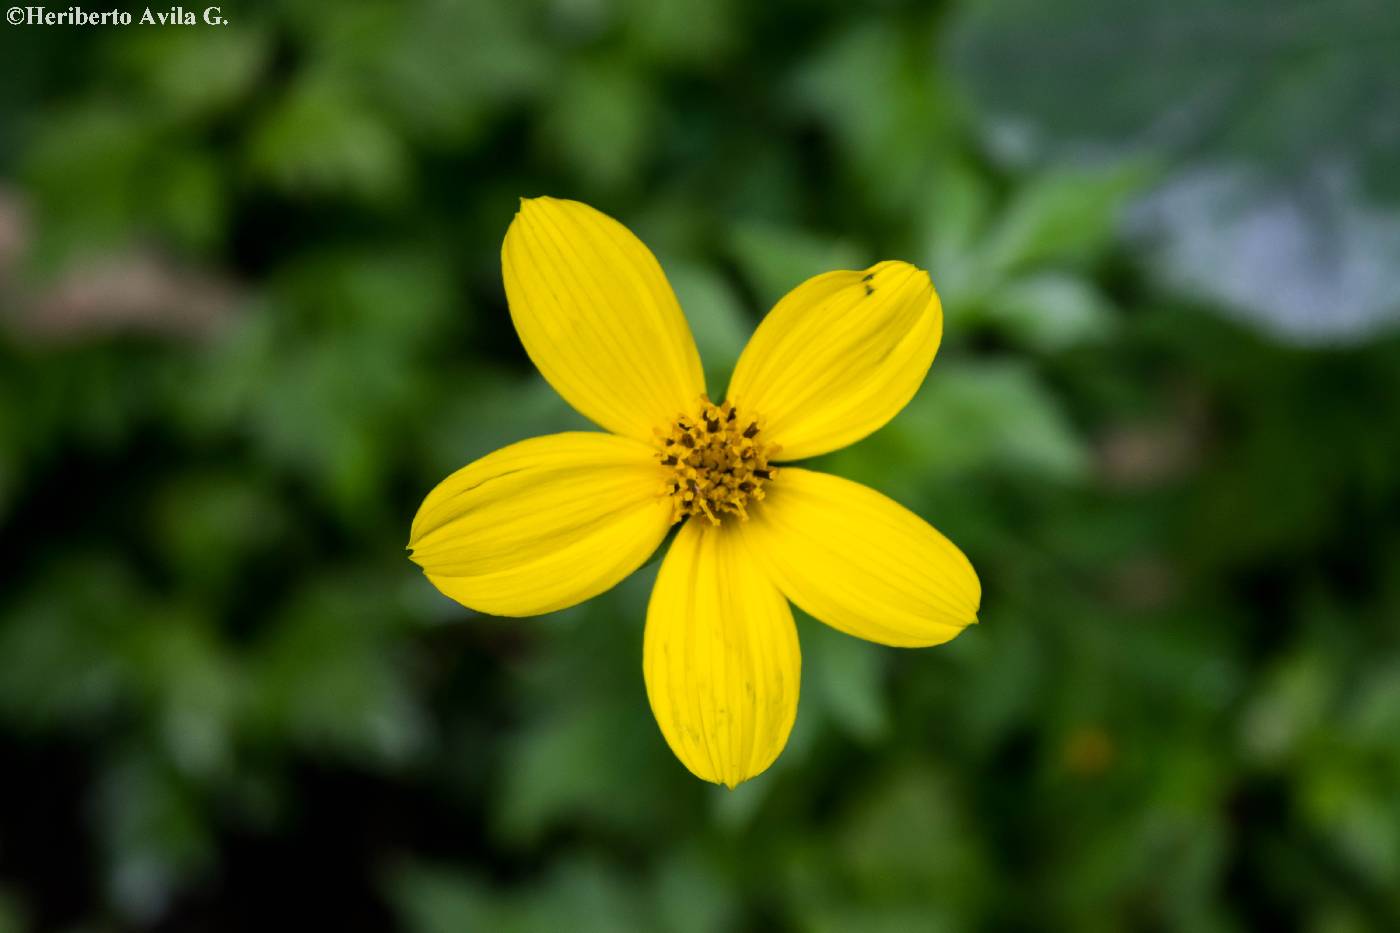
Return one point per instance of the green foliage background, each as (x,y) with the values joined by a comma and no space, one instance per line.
(253,312)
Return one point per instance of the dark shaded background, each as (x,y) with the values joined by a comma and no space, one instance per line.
(252,312)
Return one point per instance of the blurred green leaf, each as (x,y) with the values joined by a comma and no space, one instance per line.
(69,631)
(599,125)
(326,677)
(445,69)
(872,89)
(777,259)
(580,893)
(1281,203)
(907,835)
(716,318)
(900,840)
(195,73)
(971,418)
(1050,312)
(200,519)
(573,766)
(845,675)
(192,687)
(951,226)
(318,140)
(153,835)
(696,33)
(1065,216)
(440,901)
(86,169)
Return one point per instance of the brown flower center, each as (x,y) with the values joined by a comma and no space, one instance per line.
(718,461)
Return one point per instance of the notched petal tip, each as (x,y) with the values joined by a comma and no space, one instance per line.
(888,265)
(913,284)
(534,203)
(840,355)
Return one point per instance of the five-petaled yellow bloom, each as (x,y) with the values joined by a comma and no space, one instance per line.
(552,521)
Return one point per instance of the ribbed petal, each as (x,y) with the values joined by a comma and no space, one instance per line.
(598,318)
(860,562)
(542,524)
(720,657)
(839,356)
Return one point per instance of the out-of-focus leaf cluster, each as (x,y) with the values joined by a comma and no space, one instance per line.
(252,312)
(1272,121)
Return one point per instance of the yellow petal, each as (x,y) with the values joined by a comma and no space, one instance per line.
(598,318)
(720,657)
(542,524)
(861,562)
(839,356)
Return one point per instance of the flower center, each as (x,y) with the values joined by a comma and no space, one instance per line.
(718,462)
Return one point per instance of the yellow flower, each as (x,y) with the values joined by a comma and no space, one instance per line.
(552,521)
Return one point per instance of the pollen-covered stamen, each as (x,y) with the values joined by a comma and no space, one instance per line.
(718,461)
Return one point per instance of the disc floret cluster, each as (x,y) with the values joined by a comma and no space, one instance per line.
(718,460)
